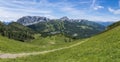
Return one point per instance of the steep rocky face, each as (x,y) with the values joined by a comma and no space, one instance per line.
(29,20)
(64,18)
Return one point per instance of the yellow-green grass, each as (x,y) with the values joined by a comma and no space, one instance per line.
(101,48)
(49,40)
(38,44)
(52,41)
(12,46)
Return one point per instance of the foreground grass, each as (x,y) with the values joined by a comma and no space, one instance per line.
(39,44)
(12,46)
(51,42)
(102,48)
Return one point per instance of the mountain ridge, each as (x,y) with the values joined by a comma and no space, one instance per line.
(74,28)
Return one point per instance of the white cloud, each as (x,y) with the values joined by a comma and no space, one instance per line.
(103,19)
(93,3)
(95,6)
(72,11)
(82,14)
(9,15)
(111,10)
(14,9)
(114,11)
(98,7)
(25,1)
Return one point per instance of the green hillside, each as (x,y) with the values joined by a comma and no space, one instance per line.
(50,40)
(13,46)
(101,48)
(114,25)
(75,29)
(16,31)
(38,44)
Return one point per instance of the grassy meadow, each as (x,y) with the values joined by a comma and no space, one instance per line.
(104,47)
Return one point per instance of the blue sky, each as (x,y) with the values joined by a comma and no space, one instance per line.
(93,10)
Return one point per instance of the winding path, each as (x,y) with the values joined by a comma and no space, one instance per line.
(8,55)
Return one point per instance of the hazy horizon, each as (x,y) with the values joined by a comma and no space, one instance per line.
(93,10)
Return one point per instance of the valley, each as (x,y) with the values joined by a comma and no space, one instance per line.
(59,30)
(58,47)
(103,47)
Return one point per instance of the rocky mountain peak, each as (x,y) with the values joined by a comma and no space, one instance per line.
(29,20)
(64,18)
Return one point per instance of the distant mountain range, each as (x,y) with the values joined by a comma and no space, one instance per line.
(75,28)
(105,23)
(29,25)
(29,20)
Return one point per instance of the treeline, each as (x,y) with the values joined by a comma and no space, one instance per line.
(16,31)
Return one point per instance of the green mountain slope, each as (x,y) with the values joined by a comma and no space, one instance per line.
(16,31)
(72,29)
(13,46)
(58,39)
(38,44)
(114,25)
(101,48)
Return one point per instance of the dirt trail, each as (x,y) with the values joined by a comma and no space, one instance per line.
(8,55)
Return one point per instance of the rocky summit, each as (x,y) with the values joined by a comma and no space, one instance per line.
(29,20)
